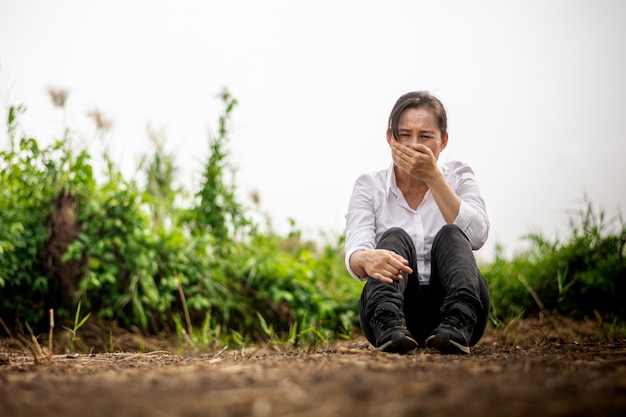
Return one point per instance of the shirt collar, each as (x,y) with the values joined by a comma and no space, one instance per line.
(392,186)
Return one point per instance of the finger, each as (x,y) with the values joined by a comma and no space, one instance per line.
(389,274)
(399,271)
(396,274)
(402,155)
(383,278)
(405,268)
(419,147)
(401,263)
(393,269)
(399,154)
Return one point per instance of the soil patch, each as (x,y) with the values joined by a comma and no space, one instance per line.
(551,378)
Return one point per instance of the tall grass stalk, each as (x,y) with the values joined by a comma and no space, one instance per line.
(50,334)
(78,323)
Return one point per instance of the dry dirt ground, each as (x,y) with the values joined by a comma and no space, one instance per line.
(539,369)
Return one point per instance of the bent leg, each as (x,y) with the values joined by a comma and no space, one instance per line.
(381,304)
(457,284)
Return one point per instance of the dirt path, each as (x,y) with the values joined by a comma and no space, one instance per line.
(348,379)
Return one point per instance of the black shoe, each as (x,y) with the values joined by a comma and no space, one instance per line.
(452,335)
(400,342)
(391,333)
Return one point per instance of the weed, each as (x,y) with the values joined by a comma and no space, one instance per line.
(78,323)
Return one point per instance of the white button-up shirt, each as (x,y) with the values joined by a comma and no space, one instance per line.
(377,204)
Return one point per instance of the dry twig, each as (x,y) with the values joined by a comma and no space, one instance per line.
(36,344)
(6,329)
(185,309)
(50,334)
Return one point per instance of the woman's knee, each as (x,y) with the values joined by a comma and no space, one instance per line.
(398,240)
(396,232)
(447,232)
(393,237)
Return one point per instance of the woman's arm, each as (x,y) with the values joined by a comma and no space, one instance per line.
(362,259)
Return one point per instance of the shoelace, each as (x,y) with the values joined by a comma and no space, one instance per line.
(388,319)
(454,321)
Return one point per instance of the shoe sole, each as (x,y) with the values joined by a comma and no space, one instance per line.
(403,345)
(446,346)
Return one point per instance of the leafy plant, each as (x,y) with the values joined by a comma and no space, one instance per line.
(216,209)
(576,276)
(30,179)
(78,323)
(303,291)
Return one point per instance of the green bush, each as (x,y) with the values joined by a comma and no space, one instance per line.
(117,240)
(31,178)
(578,276)
(303,291)
(147,261)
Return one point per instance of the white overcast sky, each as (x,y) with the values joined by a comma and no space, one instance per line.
(535,92)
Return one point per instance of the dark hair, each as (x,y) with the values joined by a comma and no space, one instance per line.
(417,100)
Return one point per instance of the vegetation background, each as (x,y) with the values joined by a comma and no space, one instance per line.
(154,258)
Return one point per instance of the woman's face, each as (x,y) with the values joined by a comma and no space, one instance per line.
(419,126)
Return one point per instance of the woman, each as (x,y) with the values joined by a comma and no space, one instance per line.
(410,232)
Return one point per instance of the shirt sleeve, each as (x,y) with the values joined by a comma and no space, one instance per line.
(360,221)
(472,218)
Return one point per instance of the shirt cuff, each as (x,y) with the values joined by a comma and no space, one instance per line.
(464,217)
(347,261)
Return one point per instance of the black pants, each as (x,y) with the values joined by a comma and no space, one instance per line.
(455,284)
